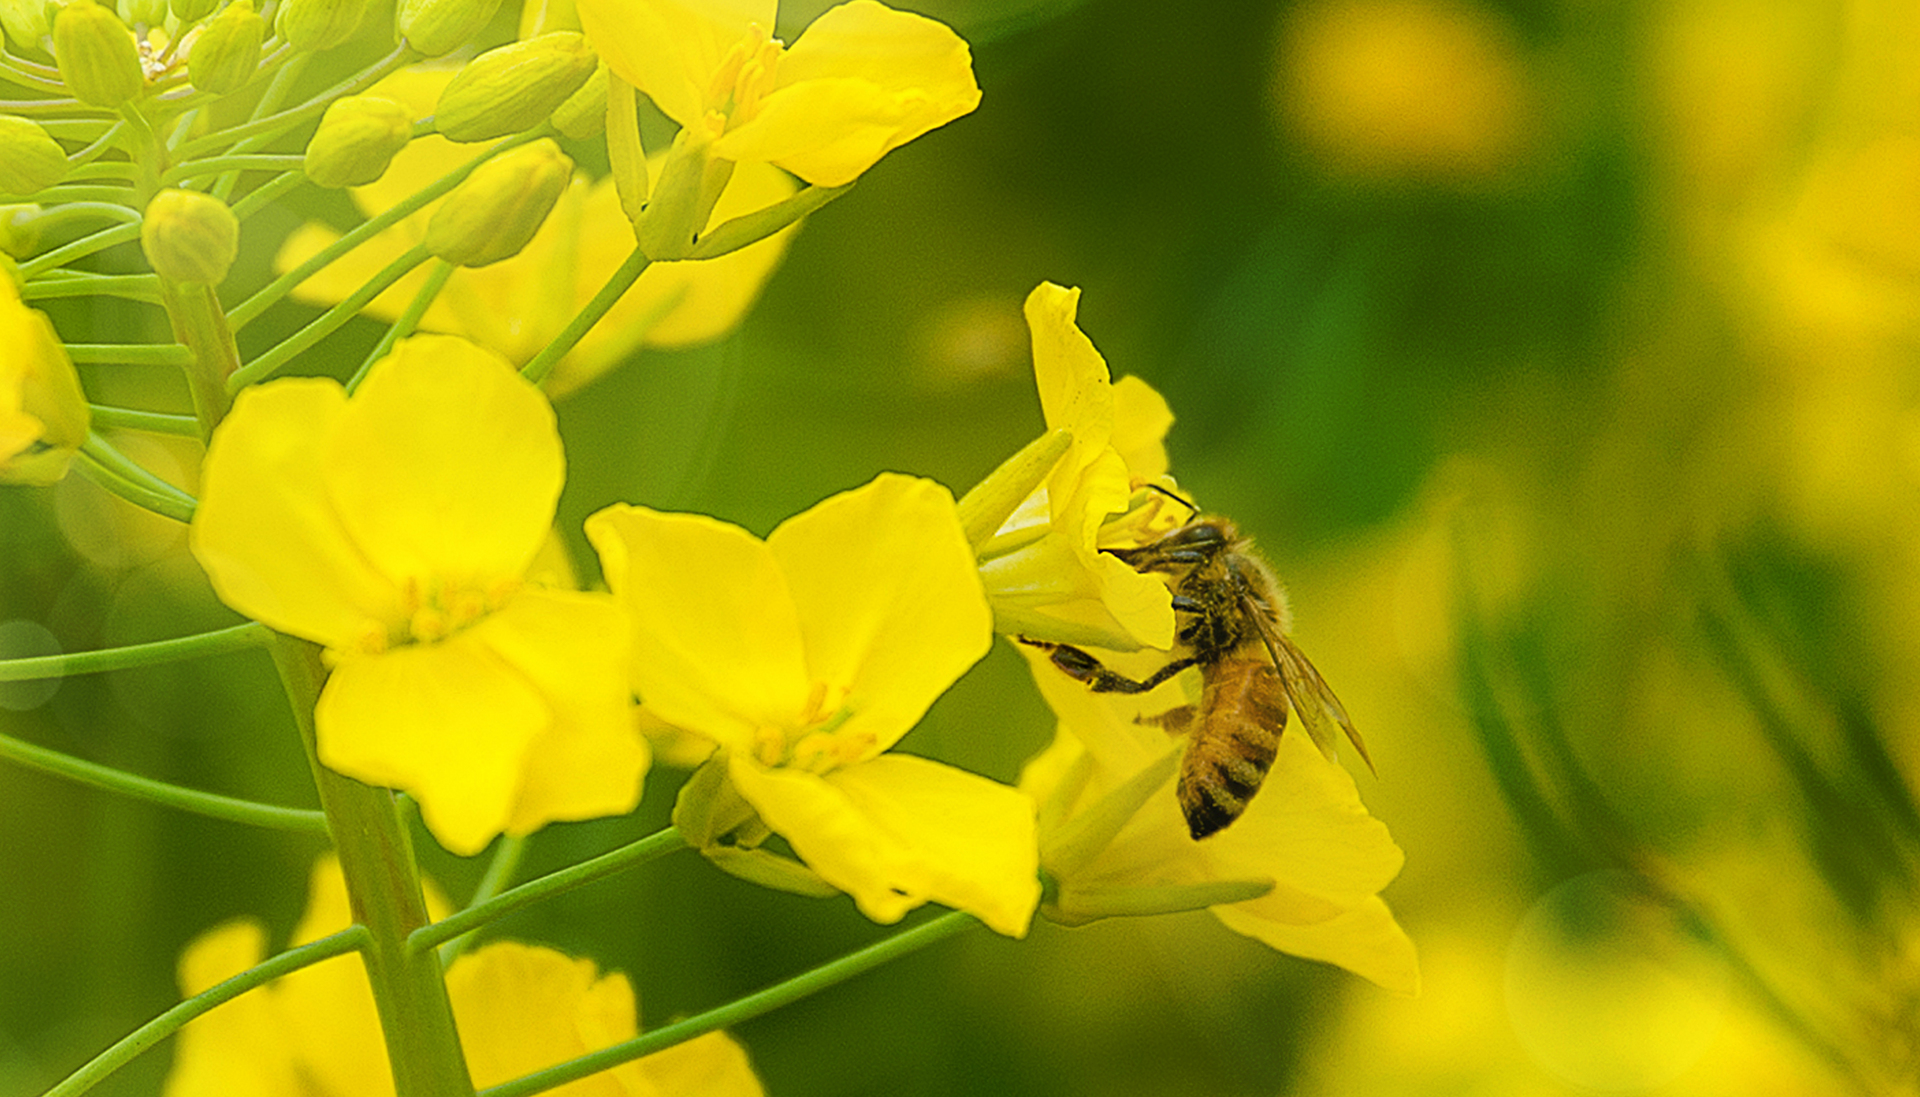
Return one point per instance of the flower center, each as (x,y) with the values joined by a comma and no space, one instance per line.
(816,744)
(435,609)
(745,76)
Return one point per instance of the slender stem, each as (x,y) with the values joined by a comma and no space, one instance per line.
(153,422)
(144,288)
(204,645)
(383,889)
(84,192)
(76,211)
(214,165)
(120,475)
(266,194)
(505,862)
(628,856)
(79,249)
(403,325)
(329,321)
(165,1025)
(284,78)
(130,354)
(17,74)
(101,144)
(275,124)
(246,311)
(749,229)
(622,280)
(211,804)
(733,1013)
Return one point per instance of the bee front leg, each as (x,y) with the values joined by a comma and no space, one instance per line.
(1081,667)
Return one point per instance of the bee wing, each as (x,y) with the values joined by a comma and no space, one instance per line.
(1312,699)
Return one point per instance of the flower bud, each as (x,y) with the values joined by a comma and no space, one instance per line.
(319,24)
(506,90)
(358,137)
(97,57)
(20,230)
(435,27)
(228,49)
(30,159)
(143,13)
(496,211)
(43,411)
(189,236)
(26,22)
(583,116)
(190,11)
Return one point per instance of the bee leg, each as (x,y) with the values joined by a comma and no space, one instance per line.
(1081,667)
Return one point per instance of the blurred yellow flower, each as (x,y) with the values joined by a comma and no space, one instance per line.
(516,306)
(1045,574)
(397,529)
(519,1008)
(1433,90)
(805,657)
(1301,871)
(861,81)
(43,412)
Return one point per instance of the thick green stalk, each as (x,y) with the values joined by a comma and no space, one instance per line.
(201,325)
(383,888)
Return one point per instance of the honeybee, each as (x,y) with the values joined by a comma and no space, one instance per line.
(1234,627)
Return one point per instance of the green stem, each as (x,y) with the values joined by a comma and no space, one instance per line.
(733,1013)
(631,855)
(265,195)
(583,321)
(204,645)
(246,311)
(120,475)
(329,321)
(17,74)
(215,165)
(100,145)
(165,1025)
(130,354)
(404,324)
(383,888)
(83,192)
(275,124)
(79,249)
(505,862)
(751,228)
(211,804)
(153,422)
(131,287)
(201,325)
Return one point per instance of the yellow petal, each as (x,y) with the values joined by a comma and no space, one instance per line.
(43,411)
(1365,940)
(862,80)
(889,599)
(671,49)
(521,1008)
(897,831)
(1071,375)
(266,531)
(240,1049)
(446,465)
(572,648)
(341,278)
(714,1065)
(449,722)
(716,642)
(1141,419)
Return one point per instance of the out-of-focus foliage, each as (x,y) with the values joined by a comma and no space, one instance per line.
(1560,355)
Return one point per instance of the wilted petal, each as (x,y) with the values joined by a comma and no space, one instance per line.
(888,597)
(265,532)
(897,831)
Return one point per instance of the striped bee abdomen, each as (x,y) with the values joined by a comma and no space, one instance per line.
(1243,709)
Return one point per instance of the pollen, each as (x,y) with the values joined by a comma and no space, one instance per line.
(745,76)
(437,609)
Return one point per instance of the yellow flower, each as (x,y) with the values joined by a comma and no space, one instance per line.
(519,1009)
(861,81)
(397,528)
(516,306)
(43,412)
(1300,871)
(805,657)
(1045,574)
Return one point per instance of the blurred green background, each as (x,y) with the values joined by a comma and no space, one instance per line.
(1560,355)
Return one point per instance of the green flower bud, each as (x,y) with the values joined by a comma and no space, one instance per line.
(20,230)
(191,11)
(26,22)
(319,24)
(228,49)
(30,159)
(143,13)
(506,90)
(189,236)
(435,27)
(97,57)
(358,137)
(583,116)
(496,211)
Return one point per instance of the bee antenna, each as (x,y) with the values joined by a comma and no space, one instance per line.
(1176,497)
